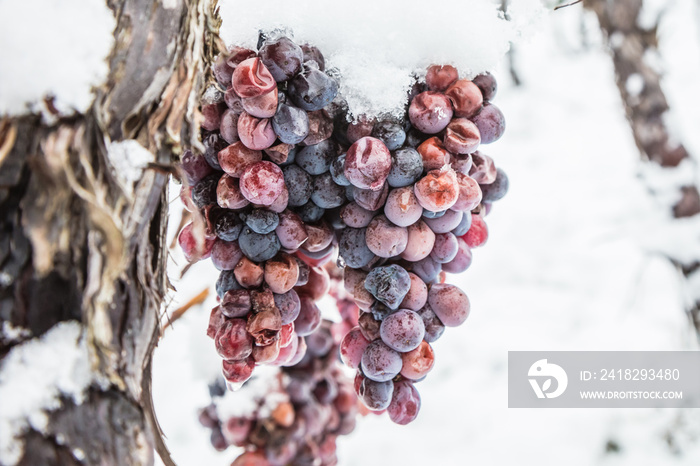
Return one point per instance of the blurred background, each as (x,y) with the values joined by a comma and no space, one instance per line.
(594,248)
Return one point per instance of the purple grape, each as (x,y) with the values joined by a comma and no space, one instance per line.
(236,303)
(487,85)
(291,231)
(233,341)
(464,225)
(446,223)
(390,133)
(445,248)
(371,200)
(225,255)
(376,396)
(384,238)
(282,57)
(353,248)
(449,303)
(430,112)
(491,123)
(228,226)
(204,192)
(309,317)
(229,126)
(405,403)
(355,216)
(326,193)
(427,269)
(402,331)
(352,347)
(291,124)
(195,167)
(299,183)
(226,282)
(213,144)
(312,89)
(367,163)
(312,53)
(462,260)
(310,212)
(496,190)
(402,207)
(262,221)
(388,284)
(289,306)
(421,240)
(379,362)
(417,294)
(406,167)
(337,170)
(369,326)
(434,328)
(316,159)
(257,247)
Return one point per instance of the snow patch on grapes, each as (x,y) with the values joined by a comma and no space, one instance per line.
(52,50)
(35,375)
(378,46)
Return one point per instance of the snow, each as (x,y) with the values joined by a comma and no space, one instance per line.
(129,158)
(377,46)
(574,262)
(52,49)
(33,378)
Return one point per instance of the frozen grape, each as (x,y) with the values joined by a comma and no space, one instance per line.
(225,254)
(384,238)
(229,126)
(369,326)
(402,207)
(235,158)
(430,112)
(299,183)
(228,193)
(262,106)
(464,224)
(291,124)
(310,212)
(251,78)
(204,192)
(318,284)
(212,116)
(267,353)
(317,158)
(376,396)
(478,233)
(470,193)
(320,127)
(213,143)
(390,133)
(291,232)
(226,282)
(496,190)
(262,221)
(462,136)
(228,226)
(312,53)
(462,260)
(379,362)
(282,57)
(371,200)
(248,273)
(355,216)
(255,133)
(417,294)
(491,123)
(236,303)
(449,303)
(312,89)
(359,129)
(320,237)
(440,77)
(427,269)
(256,247)
(434,328)
(406,167)
(193,249)
(461,163)
(337,170)
(445,223)
(232,340)
(309,317)
(438,190)
(487,85)
(237,372)
(445,248)
(262,182)
(289,306)
(466,98)
(420,242)
(195,167)
(388,284)
(280,153)
(367,163)
(326,193)
(433,154)
(402,331)
(352,347)
(405,403)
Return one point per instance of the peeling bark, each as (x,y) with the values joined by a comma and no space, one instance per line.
(631,47)
(76,244)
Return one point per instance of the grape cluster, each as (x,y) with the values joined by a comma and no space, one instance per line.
(287,180)
(298,417)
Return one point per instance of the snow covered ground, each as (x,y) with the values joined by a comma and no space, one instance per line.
(567,266)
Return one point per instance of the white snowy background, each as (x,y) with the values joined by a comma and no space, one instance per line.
(572,260)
